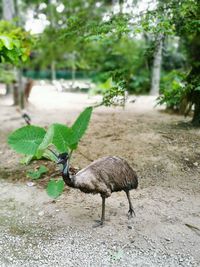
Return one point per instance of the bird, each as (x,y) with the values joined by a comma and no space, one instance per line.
(24,115)
(27,118)
(103,176)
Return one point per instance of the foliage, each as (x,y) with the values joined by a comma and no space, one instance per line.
(34,142)
(15,43)
(89,35)
(65,138)
(37,174)
(112,59)
(172,90)
(26,140)
(113,93)
(6,76)
(80,126)
(182,17)
(70,30)
(55,188)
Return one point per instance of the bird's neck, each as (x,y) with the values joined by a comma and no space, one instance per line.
(68,179)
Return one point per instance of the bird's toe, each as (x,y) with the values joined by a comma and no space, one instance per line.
(131,212)
(98,223)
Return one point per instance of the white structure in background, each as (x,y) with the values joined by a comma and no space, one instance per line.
(8,9)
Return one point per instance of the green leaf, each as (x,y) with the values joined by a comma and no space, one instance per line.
(55,188)
(73,146)
(80,126)
(27,139)
(47,140)
(34,175)
(7,41)
(24,58)
(61,137)
(27,159)
(108,84)
(43,169)
(49,155)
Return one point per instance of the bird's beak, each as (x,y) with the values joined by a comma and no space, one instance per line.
(60,161)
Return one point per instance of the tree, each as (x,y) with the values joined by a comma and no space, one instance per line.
(181,18)
(15,46)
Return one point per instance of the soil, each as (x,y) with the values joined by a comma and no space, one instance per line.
(164,150)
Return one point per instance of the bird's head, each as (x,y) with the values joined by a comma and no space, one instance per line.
(63,158)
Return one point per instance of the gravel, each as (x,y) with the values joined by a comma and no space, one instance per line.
(39,233)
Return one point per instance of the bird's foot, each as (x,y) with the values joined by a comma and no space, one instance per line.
(130,213)
(99,223)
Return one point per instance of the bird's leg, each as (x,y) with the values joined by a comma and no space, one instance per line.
(131,210)
(101,222)
(103,210)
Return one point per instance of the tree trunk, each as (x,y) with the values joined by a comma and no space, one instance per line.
(73,69)
(15,94)
(9,88)
(21,91)
(196,116)
(193,78)
(53,71)
(52,23)
(156,69)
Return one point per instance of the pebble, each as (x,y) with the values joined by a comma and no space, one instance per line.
(30,184)
(41,213)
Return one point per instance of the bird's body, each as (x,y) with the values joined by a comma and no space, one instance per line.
(103,176)
(106,175)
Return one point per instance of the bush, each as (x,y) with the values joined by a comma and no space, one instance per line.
(173,90)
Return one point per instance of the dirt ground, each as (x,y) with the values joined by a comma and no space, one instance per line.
(162,148)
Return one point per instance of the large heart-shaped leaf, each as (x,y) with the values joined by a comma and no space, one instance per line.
(61,137)
(47,140)
(80,125)
(27,139)
(55,188)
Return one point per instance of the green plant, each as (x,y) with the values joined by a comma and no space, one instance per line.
(113,93)
(55,188)
(34,142)
(173,90)
(6,75)
(37,174)
(15,43)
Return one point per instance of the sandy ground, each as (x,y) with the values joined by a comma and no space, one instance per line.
(163,149)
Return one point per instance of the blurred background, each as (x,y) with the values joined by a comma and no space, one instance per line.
(113,48)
